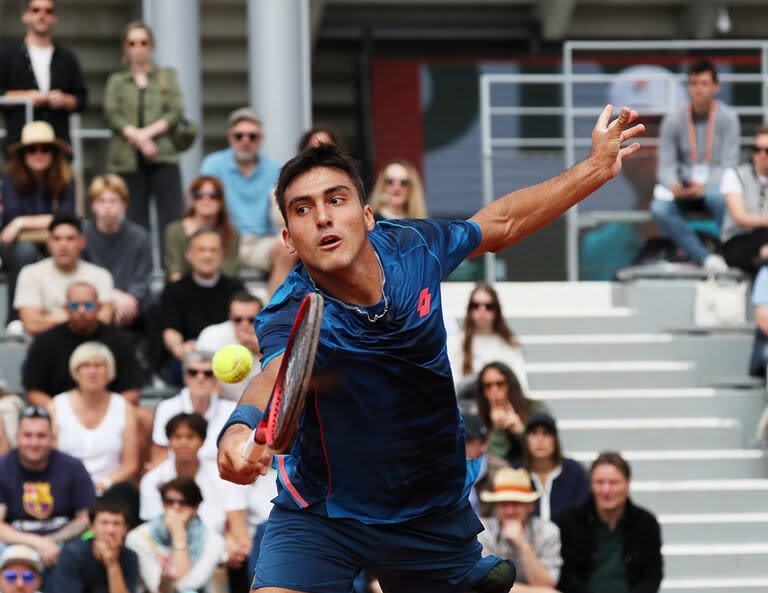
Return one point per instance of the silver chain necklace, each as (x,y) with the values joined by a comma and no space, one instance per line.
(371,318)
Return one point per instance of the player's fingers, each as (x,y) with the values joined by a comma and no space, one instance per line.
(627,150)
(605,116)
(632,132)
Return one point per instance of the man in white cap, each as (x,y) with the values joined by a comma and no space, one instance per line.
(20,570)
(512,533)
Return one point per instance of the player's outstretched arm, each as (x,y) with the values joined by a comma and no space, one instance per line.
(232,465)
(516,215)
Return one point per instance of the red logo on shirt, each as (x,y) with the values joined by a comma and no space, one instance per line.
(425,302)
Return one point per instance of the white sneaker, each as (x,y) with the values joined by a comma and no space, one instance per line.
(715,264)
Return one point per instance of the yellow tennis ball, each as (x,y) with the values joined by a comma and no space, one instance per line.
(232,363)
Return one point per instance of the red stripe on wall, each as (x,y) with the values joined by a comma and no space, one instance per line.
(398,127)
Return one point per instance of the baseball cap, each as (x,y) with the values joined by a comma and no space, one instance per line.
(541,419)
(241,114)
(23,554)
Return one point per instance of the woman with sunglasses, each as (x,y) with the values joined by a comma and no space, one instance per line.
(142,105)
(94,425)
(505,410)
(207,209)
(199,396)
(177,551)
(398,192)
(486,337)
(37,185)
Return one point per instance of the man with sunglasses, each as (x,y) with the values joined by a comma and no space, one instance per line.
(745,228)
(238,329)
(43,71)
(697,142)
(21,569)
(46,370)
(41,289)
(44,493)
(248,178)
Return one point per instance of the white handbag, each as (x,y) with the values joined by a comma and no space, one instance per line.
(719,304)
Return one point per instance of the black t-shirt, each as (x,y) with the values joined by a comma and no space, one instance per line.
(78,570)
(44,502)
(189,308)
(47,365)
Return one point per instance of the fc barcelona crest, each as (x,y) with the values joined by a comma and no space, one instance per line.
(37,499)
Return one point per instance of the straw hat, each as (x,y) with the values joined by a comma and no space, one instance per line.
(38,132)
(511,485)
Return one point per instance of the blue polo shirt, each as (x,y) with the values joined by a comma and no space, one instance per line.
(381,439)
(248,198)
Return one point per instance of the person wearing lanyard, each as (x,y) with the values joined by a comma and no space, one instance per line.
(697,142)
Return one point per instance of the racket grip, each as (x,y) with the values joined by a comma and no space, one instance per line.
(256,438)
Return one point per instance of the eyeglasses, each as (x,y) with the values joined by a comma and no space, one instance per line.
(171,502)
(199,195)
(241,319)
(87,305)
(11,576)
(198,372)
(34,412)
(252,136)
(487,306)
(35,148)
(760,149)
(489,384)
(395,181)
(39,9)
(140,42)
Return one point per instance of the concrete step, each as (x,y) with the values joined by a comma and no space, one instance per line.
(629,374)
(651,433)
(714,528)
(756,584)
(689,464)
(743,404)
(715,560)
(702,496)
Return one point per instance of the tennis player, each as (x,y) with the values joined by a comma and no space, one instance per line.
(377,477)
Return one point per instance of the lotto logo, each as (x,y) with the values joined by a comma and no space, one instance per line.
(425,302)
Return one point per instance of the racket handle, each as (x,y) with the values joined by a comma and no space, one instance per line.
(256,438)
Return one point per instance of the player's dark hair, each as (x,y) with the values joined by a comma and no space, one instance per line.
(612,458)
(516,396)
(701,66)
(109,504)
(324,156)
(194,422)
(246,296)
(64,218)
(186,487)
(500,326)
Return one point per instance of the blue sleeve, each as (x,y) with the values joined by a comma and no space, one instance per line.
(273,324)
(760,289)
(208,166)
(83,491)
(65,575)
(449,241)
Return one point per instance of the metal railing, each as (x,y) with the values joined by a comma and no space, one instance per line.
(568,142)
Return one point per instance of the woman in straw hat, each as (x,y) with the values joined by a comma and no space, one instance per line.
(38,184)
(513,533)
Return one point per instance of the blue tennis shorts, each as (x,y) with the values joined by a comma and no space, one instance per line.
(305,550)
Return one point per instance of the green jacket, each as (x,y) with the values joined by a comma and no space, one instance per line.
(162,100)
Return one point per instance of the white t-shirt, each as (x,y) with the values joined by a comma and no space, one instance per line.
(731,184)
(486,349)
(41,66)
(214,338)
(100,449)
(219,496)
(44,285)
(259,497)
(217,415)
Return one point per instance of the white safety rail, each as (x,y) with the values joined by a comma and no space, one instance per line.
(568,142)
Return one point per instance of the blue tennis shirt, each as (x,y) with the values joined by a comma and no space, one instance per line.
(381,438)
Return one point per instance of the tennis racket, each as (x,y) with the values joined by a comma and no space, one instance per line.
(281,417)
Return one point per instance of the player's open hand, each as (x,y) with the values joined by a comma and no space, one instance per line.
(607,138)
(233,466)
